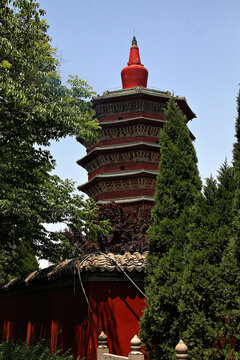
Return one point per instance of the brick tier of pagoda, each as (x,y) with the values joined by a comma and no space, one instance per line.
(122,164)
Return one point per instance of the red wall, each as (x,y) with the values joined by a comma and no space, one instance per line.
(127,140)
(128,166)
(124,194)
(117,307)
(131,114)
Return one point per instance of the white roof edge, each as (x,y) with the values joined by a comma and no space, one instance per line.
(124,173)
(127,200)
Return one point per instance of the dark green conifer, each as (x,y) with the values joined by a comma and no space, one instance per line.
(230,266)
(236,167)
(202,303)
(178,184)
(193,276)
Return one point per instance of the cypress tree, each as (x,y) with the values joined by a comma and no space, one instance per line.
(211,301)
(178,185)
(211,217)
(230,266)
(236,167)
(203,297)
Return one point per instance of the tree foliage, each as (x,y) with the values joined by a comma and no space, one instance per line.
(228,305)
(236,201)
(204,299)
(39,350)
(35,108)
(127,230)
(193,272)
(178,185)
(230,266)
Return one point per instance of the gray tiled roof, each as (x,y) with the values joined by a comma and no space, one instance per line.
(86,264)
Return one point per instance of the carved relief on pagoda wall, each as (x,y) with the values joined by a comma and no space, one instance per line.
(129,131)
(126,131)
(123,157)
(130,105)
(121,185)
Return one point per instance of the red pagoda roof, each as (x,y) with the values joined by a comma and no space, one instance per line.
(135,74)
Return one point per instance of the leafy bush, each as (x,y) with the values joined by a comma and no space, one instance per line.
(38,351)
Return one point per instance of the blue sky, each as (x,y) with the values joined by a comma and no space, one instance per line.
(190,47)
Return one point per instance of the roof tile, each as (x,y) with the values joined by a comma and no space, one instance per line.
(86,263)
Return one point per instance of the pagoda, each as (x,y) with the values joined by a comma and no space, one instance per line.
(122,164)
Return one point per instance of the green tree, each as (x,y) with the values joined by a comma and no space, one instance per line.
(230,266)
(178,185)
(203,297)
(236,167)
(35,108)
(22,260)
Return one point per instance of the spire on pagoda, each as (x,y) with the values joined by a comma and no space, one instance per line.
(135,74)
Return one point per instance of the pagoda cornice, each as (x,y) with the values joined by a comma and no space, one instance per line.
(134,199)
(134,120)
(117,148)
(116,176)
(140,92)
(126,128)
(132,91)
